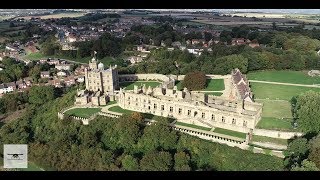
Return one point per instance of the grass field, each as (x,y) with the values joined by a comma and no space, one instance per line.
(282,92)
(212,85)
(230,133)
(32,167)
(129,85)
(59,15)
(83,112)
(214,93)
(275,124)
(111,102)
(269,139)
(295,77)
(276,109)
(118,109)
(193,126)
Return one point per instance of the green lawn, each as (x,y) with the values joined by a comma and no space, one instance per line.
(83,112)
(129,85)
(212,85)
(269,139)
(193,126)
(179,85)
(118,109)
(214,93)
(31,167)
(283,92)
(230,133)
(296,77)
(275,124)
(276,109)
(111,102)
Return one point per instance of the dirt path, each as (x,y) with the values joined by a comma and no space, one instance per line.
(288,84)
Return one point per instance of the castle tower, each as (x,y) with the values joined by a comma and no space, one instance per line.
(93,64)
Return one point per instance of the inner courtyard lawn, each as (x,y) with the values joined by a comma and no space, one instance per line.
(230,132)
(295,77)
(130,85)
(269,139)
(212,85)
(83,112)
(275,91)
(193,126)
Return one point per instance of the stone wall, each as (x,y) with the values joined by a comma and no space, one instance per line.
(147,77)
(276,134)
(209,76)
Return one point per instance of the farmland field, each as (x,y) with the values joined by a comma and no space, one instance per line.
(295,77)
(60,15)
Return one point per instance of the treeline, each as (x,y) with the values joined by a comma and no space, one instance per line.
(120,144)
(97,16)
(298,52)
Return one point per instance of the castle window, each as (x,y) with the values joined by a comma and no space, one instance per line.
(233,121)
(149,102)
(195,113)
(171,109)
(180,110)
(136,104)
(128,98)
(212,117)
(162,107)
(155,106)
(136,99)
(144,100)
(189,112)
(149,107)
(223,119)
(244,123)
(203,115)
(97,83)
(128,102)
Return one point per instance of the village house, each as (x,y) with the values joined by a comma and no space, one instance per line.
(134,59)
(28,81)
(66,67)
(238,41)
(54,61)
(21,84)
(42,61)
(55,83)
(45,74)
(80,79)
(61,74)
(69,81)
(7,87)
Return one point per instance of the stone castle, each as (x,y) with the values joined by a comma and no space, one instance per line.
(236,112)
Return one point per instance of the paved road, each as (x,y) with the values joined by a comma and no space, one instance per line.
(288,84)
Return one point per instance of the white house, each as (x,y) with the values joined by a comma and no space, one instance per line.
(60,67)
(61,73)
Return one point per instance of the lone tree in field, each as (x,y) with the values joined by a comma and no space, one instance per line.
(195,81)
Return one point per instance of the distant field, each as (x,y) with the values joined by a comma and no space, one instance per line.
(130,85)
(60,15)
(282,92)
(275,124)
(276,109)
(83,112)
(296,77)
(228,23)
(212,85)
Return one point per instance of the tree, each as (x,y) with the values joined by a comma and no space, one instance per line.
(314,156)
(308,111)
(130,163)
(225,64)
(39,95)
(156,161)
(194,81)
(137,116)
(207,36)
(181,161)
(305,166)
